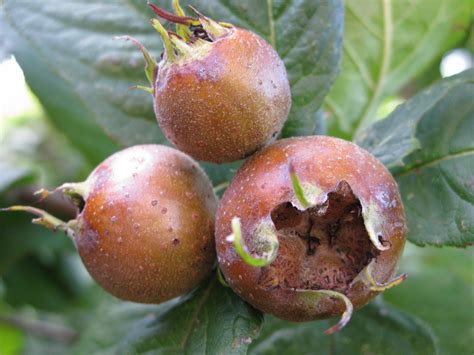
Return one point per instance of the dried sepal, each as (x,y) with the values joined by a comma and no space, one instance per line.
(366,277)
(317,295)
(373,220)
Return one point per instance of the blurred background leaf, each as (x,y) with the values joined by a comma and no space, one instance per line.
(386,45)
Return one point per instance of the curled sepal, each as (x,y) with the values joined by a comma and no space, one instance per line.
(317,295)
(45,219)
(221,278)
(151,67)
(266,242)
(373,221)
(298,188)
(366,277)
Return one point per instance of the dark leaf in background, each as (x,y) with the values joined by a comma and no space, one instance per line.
(12,175)
(19,237)
(428,145)
(377,329)
(38,284)
(211,320)
(386,45)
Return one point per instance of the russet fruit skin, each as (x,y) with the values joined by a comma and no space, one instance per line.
(357,189)
(145,233)
(226,104)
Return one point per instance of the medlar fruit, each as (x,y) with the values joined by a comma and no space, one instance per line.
(310,228)
(220,92)
(146,222)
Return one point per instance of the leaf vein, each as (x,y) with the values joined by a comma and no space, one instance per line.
(436,161)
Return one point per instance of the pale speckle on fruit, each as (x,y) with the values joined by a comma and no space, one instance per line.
(148,226)
(323,163)
(227,111)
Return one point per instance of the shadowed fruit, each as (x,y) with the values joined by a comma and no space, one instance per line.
(146,223)
(310,228)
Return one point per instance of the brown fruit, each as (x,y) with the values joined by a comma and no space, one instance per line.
(322,228)
(145,230)
(220,92)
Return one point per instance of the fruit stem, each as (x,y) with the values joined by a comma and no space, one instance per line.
(298,189)
(316,295)
(45,219)
(267,257)
(169,51)
(151,68)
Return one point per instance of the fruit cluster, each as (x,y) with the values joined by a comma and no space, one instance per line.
(309,227)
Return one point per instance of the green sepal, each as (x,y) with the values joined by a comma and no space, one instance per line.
(317,295)
(151,68)
(266,239)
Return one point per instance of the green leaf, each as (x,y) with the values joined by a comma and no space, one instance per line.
(427,144)
(440,290)
(386,44)
(82,75)
(19,237)
(39,284)
(211,320)
(376,329)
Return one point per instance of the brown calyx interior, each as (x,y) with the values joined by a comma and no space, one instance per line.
(198,31)
(322,247)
